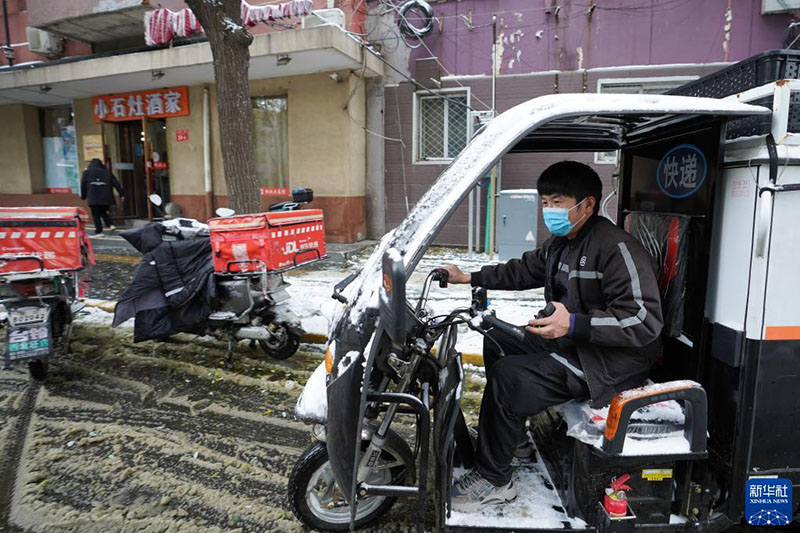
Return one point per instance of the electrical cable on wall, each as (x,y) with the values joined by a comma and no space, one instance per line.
(415,6)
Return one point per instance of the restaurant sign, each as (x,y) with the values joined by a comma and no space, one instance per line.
(161,103)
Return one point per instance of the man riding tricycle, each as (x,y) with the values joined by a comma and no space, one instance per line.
(681,313)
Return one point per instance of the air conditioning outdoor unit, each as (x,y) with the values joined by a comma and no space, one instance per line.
(44,43)
(324,17)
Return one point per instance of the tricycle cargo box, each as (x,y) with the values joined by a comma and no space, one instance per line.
(755,71)
(54,235)
(761,69)
(274,241)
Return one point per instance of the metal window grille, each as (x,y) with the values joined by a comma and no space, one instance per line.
(443,126)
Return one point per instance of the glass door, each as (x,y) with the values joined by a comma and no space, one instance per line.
(157,161)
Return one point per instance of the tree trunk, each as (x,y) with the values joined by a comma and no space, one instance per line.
(230,42)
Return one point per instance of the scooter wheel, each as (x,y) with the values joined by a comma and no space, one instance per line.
(283,346)
(38,369)
(319,504)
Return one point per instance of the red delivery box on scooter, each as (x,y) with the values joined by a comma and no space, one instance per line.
(54,235)
(275,241)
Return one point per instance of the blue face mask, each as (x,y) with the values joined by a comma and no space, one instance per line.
(557,219)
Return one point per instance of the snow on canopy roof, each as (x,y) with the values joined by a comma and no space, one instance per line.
(564,111)
(562,115)
(606,129)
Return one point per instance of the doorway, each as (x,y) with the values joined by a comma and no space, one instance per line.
(140,163)
(157,162)
(130,168)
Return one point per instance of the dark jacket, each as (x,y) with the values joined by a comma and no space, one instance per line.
(612,291)
(96,184)
(172,287)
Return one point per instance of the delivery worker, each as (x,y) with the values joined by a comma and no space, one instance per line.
(96,187)
(602,338)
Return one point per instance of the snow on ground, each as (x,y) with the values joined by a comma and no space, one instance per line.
(537,505)
(311,294)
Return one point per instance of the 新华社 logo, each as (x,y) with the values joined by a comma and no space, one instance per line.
(768,501)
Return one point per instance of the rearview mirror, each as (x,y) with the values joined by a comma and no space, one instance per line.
(392,307)
(155,199)
(225,212)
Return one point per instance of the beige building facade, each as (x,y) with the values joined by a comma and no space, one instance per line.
(309,127)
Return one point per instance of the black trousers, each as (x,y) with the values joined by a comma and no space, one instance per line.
(100,215)
(523,383)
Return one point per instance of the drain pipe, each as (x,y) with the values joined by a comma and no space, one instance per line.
(209,183)
(9,52)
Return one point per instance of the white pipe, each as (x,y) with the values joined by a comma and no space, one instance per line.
(209,186)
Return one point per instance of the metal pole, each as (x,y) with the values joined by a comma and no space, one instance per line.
(8,51)
(494,65)
(490,206)
(208,182)
(470,201)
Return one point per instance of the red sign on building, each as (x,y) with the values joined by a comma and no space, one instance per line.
(161,103)
(181,135)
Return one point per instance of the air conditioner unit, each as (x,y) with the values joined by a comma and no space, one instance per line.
(769,7)
(44,43)
(324,17)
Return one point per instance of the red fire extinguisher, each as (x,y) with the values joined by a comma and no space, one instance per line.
(615,500)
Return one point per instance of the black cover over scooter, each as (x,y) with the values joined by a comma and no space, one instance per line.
(172,287)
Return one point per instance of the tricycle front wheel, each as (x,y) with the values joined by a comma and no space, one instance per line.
(318,502)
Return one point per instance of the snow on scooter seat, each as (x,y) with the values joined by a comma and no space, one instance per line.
(537,506)
(655,429)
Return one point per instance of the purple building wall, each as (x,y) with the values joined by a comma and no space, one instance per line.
(686,36)
(618,32)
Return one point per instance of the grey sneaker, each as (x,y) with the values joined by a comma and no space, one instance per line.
(112,227)
(472,492)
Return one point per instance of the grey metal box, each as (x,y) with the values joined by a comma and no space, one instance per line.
(517,213)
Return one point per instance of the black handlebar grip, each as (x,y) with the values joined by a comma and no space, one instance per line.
(546,311)
(441,275)
(518,332)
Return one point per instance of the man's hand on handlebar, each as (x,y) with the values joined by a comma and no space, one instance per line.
(456,275)
(553,326)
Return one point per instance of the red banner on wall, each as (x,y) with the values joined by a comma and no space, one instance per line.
(161,103)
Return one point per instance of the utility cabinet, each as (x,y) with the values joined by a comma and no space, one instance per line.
(517,215)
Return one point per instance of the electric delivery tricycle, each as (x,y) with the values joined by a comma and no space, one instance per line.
(718,217)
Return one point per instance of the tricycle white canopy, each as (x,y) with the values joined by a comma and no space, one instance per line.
(559,122)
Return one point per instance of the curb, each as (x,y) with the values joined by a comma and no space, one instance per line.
(309,338)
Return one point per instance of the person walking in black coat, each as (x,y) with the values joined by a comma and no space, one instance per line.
(96,187)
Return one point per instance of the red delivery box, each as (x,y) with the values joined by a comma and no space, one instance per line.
(276,241)
(56,235)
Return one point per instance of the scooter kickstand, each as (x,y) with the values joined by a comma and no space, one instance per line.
(229,355)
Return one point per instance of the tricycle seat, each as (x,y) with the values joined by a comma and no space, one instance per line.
(657,419)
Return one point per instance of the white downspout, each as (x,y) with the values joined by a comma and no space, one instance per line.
(209,184)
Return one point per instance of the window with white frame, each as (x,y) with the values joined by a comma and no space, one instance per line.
(635,86)
(441,125)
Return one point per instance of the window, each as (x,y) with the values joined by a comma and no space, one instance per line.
(635,86)
(271,140)
(442,125)
(61,175)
